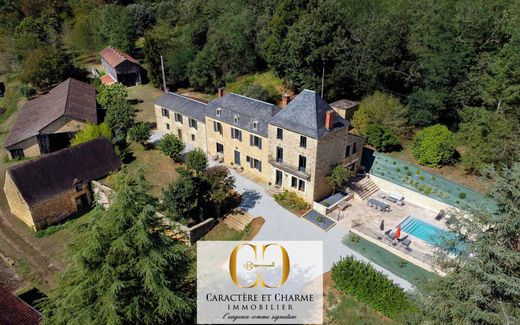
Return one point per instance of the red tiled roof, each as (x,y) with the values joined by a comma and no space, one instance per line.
(14,311)
(107,80)
(114,57)
(71,98)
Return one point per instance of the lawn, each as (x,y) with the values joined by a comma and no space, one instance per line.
(389,261)
(341,309)
(143,97)
(266,79)
(222,232)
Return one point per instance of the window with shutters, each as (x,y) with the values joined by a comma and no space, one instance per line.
(178,118)
(217,127)
(255,141)
(165,112)
(192,123)
(236,134)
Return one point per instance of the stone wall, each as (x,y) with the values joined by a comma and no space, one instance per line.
(63,124)
(411,196)
(17,204)
(30,148)
(186,131)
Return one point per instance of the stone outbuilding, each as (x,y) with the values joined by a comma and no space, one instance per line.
(120,67)
(47,190)
(48,123)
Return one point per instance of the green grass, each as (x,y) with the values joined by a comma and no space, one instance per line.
(265,79)
(222,232)
(346,310)
(143,97)
(389,261)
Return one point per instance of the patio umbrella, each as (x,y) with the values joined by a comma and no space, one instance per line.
(382,225)
(398,232)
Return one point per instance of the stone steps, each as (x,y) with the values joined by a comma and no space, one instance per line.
(272,190)
(238,221)
(365,188)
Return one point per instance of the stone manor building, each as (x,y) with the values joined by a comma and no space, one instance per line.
(289,148)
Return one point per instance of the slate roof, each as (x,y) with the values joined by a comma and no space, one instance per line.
(14,311)
(344,104)
(305,114)
(182,104)
(115,57)
(248,109)
(72,98)
(54,173)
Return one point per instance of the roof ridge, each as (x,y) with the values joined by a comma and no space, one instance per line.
(183,96)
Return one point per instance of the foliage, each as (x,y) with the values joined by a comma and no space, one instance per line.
(120,118)
(110,95)
(116,27)
(260,92)
(221,182)
(46,66)
(196,161)
(488,262)
(361,280)
(382,110)
(171,146)
(92,131)
(434,146)
(382,139)
(488,138)
(338,176)
(123,267)
(27,90)
(292,201)
(140,133)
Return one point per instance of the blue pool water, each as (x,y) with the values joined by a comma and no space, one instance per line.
(421,229)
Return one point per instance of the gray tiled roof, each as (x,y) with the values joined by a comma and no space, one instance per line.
(248,109)
(305,114)
(184,105)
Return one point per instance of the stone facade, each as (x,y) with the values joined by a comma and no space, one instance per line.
(195,136)
(236,152)
(47,212)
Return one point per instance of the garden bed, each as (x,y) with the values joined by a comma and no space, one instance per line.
(319,220)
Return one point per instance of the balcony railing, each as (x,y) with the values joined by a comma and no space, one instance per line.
(301,173)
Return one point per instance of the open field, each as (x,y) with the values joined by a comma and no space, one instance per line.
(143,97)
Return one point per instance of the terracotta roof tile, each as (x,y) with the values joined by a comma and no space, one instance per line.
(114,57)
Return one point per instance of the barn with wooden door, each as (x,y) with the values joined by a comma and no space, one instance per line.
(120,67)
(48,123)
(47,190)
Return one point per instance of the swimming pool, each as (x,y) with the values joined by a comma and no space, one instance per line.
(422,230)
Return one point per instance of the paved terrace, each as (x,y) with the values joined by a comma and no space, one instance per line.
(280,224)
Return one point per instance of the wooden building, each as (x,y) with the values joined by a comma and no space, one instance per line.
(44,191)
(120,67)
(47,123)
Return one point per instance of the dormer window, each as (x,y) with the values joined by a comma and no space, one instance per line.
(235,119)
(219,111)
(255,125)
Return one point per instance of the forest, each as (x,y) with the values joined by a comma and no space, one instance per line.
(447,62)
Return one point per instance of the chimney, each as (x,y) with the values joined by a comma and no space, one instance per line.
(329,119)
(285,100)
(220,92)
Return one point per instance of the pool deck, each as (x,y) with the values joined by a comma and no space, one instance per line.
(360,214)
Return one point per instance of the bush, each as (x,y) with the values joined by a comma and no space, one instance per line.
(140,133)
(409,173)
(291,201)
(382,139)
(171,146)
(421,178)
(260,92)
(92,131)
(27,90)
(434,146)
(462,195)
(397,169)
(370,287)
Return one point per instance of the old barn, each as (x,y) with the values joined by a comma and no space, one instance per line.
(120,67)
(47,123)
(44,191)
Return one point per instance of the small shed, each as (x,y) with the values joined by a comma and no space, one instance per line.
(120,67)
(47,190)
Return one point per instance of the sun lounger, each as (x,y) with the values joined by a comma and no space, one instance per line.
(440,215)
(406,242)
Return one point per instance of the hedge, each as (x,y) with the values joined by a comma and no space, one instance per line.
(370,287)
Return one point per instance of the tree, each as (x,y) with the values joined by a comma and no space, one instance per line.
(186,198)
(196,161)
(108,96)
(123,268)
(120,118)
(434,146)
(220,183)
(382,110)
(482,285)
(140,133)
(46,66)
(92,131)
(338,176)
(116,27)
(488,138)
(171,146)
(382,139)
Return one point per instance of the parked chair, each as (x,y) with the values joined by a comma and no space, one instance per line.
(440,215)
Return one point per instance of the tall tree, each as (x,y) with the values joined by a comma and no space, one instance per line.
(124,269)
(483,281)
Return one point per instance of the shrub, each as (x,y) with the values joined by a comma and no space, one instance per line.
(462,195)
(370,286)
(409,173)
(428,190)
(421,178)
(354,238)
(397,169)
(171,146)
(382,139)
(417,172)
(434,146)
(140,133)
(291,201)
(406,167)
(92,131)
(434,178)
(27,90)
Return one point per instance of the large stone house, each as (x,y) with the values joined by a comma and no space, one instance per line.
(288,148)
(46,190)
(120,67)
(48,123)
